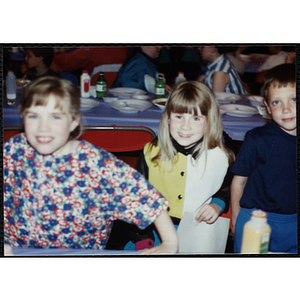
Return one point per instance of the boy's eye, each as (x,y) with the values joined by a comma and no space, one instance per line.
(275,102)
(294,99)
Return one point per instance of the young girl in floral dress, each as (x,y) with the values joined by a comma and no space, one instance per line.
(60,192)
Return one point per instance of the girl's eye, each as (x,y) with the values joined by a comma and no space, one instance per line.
(31,116)
(294,99)
(178,116)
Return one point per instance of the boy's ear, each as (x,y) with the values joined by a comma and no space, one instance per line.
(267,106)
(41,59)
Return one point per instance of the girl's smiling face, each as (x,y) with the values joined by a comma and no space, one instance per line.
(281,106)
(48,128)
(186,128)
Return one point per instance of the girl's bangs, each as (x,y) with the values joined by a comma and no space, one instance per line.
(182,106)
(42,100)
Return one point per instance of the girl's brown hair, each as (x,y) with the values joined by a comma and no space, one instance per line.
(67,97)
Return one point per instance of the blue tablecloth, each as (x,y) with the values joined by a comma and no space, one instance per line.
(23,251)
(104,115)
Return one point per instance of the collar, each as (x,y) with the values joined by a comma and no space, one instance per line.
(221,57)
(148,57)
(186,151)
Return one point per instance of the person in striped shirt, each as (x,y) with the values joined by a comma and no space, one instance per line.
(221,75)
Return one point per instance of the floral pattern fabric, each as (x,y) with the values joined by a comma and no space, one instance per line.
(71,201)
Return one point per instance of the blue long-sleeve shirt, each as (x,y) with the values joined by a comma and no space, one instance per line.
(132,74)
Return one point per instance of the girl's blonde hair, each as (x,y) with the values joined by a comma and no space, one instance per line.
(67,96)
(189,97)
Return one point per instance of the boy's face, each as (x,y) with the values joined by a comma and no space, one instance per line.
(32,61)
(281,106)
(48,128)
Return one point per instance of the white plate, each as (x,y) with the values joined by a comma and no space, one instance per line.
(130,105)
(241,111)
(87,103)
(227,97)
(124,92)
(161,103)
(110,99)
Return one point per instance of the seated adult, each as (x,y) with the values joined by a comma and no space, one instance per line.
(38,61)
(277,57)
(133,72)
(221,75)
(232,54)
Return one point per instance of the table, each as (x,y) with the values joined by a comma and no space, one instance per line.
(23,251)
(104,115)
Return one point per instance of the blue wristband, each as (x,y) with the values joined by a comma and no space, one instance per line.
(219,202)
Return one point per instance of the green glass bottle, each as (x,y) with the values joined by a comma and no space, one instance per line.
(160,87)
(101,86)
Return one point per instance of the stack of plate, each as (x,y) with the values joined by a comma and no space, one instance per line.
(130,105)
(87,103)
(124,92)
(227,97)
(256,100)
(236,110)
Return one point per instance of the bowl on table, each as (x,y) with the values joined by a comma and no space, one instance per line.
(161,103)
(140,96)
(22,82)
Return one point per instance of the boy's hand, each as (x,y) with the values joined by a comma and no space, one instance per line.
(208,213)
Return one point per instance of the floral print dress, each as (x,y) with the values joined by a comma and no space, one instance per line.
(71,201)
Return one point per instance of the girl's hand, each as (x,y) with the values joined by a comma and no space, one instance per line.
(232,231)
(208,213)
(164,248)
(168,235)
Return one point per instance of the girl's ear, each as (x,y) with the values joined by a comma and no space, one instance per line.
(75,122)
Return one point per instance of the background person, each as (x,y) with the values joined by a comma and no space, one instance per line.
(221,76)
(38,61)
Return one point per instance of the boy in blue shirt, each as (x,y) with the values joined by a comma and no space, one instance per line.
(265,169)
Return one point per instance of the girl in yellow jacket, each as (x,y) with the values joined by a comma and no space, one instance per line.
(188,161)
